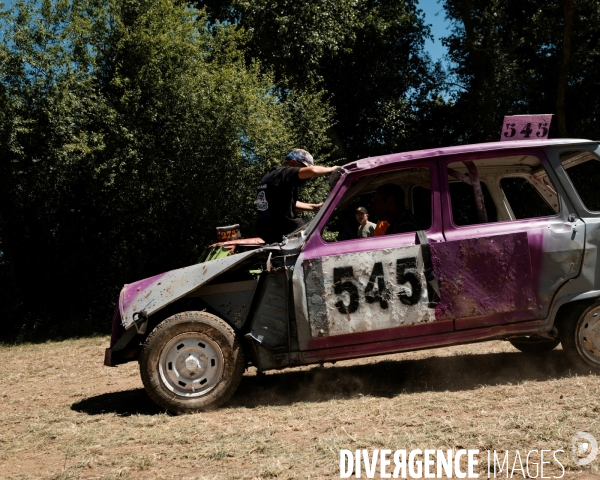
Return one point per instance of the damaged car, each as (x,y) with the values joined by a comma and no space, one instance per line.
(504,247)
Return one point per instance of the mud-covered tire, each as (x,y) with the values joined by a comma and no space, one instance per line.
(191,362)
(580,337)
(534,345)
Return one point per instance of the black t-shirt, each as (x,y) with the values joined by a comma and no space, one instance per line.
(276,204)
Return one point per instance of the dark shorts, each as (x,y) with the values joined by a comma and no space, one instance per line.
(273,231)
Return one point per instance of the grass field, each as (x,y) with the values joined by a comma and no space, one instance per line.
(64,415)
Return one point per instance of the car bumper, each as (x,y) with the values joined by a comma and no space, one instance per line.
(113,358)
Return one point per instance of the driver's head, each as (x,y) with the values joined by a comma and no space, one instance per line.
(388,202)
(362,216)
(298,158)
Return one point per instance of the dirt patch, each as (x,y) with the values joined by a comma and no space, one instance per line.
(64,415)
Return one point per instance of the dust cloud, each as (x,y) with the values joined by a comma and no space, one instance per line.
(399,374)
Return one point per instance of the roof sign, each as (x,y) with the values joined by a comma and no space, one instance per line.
(525,127)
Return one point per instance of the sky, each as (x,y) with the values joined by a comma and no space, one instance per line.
(440,27)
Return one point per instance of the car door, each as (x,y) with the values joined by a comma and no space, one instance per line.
(370,290)
(578,169)
(507,267)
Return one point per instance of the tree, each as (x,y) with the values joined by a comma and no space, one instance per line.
(367,55)
(564,68)
(128,131)
(524,58)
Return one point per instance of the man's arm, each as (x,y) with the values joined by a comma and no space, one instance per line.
(308,207)
(315,171)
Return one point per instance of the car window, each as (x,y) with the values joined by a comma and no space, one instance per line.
(401,199)
(583,169)
(524,199)
(464,208)
(509,188)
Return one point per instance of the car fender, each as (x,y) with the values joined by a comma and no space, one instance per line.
(141,299)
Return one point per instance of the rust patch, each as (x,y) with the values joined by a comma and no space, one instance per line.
(484,276)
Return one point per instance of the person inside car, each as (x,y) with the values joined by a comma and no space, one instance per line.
(388,205)
(365,228)
(277,198)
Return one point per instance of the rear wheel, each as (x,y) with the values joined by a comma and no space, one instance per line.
(191,362)
(580,336)
(534,345)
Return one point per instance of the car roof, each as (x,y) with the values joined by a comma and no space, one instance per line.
(372,162)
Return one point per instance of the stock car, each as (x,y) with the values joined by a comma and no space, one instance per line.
(505,247)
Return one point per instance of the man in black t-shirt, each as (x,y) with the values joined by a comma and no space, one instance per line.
(277,199)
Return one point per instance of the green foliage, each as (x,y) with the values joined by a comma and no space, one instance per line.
(367,55)
(293,38)
(382,80)
(128,131)
(507,59)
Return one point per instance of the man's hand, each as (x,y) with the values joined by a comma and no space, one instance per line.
(335,176)
(308,207)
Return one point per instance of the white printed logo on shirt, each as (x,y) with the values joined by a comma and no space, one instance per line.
(261,202)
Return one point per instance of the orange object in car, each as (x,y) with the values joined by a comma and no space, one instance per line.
(381,228)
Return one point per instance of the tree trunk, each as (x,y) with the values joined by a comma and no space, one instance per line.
(564,69)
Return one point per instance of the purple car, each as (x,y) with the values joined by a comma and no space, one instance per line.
(499,241)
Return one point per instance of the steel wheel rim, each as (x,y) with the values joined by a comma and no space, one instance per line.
(191,364)
(588,337)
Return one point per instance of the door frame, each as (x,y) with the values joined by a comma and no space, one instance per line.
(316,248)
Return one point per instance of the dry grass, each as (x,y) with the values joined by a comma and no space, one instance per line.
(64,415)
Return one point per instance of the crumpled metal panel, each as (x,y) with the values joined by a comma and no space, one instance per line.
(270,324)
(483,276)
(313,273)
(562,249)
(366,291)
(231,301)
(152,294)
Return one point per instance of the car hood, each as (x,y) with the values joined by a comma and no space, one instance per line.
(145,297)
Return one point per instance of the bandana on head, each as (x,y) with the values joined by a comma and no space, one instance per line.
(300,156)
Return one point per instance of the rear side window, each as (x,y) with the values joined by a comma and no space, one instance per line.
(464,208)
(500,189)
(523,198)
(583,169)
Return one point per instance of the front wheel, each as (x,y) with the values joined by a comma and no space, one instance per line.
(191,362)
(580,336)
